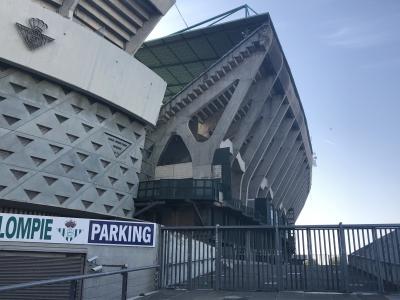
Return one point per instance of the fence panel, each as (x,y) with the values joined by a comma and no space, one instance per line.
(188,258)
(339,258)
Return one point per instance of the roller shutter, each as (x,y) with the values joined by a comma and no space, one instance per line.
(19,267)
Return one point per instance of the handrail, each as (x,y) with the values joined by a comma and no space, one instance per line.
(333,226)
(188,188)
(72,278)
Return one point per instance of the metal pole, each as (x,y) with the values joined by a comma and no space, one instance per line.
(161,253)
(189,269)
(217,257)
(248,258)
(124,294)
(378,260)
(213,18)
(310,276)
(343,258)
(278,255)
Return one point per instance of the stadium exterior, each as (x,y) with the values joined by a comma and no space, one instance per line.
(202,127)
(100,130)
(231,145)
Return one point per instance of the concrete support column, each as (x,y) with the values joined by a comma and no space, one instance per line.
(291,193)
(281,163)
(289,163)
(259,94)
(246,80)
(301,201)
(293,181)
(299,197)
(252,161)
(281,156)
(269,156)
(287,180)
(273,108)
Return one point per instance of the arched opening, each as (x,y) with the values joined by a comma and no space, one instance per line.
(175,161)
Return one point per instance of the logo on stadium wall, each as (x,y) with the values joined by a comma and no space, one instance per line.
(69,232)
(33,36)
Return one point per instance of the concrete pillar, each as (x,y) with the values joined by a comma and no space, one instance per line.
(277,160)
(259,94)
(253,156)
(289,195)
(301,198)
(269,156)
(281,156)
(289,163)
(287,180)
(282,162)
(301,201)
(272,112)
(246,79)
(294,175)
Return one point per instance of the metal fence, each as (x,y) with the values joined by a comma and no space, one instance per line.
(340,258)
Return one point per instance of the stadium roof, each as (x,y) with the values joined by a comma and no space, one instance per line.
(183,56)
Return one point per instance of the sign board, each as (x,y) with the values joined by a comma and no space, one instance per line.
(118,145)
(41,229)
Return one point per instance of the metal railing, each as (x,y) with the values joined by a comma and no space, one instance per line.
(339,258)
(74,280)
(179,189)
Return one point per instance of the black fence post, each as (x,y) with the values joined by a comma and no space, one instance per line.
(343,259)
(161,253)
(310,268)
(217,257)
(189,269)
(378,260)
(124,293)
(278,251)
(248,258)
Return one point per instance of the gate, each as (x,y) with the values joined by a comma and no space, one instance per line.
(339,258)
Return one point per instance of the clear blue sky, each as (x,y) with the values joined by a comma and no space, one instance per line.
(345,59)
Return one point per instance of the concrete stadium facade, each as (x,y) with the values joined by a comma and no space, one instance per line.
(72,130)
(232,145)
(72,112)
(95,123)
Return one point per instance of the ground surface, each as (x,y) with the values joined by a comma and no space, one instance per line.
(224,295)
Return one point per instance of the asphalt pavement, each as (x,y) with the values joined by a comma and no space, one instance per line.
(226,295)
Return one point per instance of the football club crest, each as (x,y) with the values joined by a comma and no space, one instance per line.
(33,36)
(69,232)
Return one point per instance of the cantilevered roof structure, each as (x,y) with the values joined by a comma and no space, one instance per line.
(181,57)
(231,131)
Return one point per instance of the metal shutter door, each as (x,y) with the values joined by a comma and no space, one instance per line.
(19,267)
